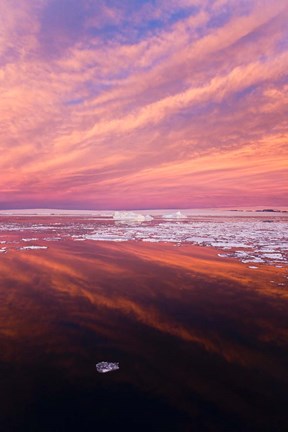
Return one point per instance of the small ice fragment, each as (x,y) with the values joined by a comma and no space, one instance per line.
(253,267)
(104,367)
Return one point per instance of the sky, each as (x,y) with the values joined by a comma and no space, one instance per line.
(137,104)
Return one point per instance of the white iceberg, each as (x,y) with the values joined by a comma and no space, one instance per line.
(104,367)
(177,215)
(148,218)
(131,216)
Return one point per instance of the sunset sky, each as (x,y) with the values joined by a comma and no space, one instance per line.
(130,104)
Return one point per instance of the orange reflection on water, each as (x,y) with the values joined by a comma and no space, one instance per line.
(134,279)
(81,301)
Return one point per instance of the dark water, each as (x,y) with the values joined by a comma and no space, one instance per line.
(201,342)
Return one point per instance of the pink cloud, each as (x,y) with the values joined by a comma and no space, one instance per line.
(105,122)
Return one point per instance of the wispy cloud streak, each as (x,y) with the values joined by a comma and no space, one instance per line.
(180,104)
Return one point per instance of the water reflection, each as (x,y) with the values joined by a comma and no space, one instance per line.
(201,342)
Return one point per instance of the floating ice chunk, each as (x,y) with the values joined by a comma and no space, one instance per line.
(253,259)
(274,256)
(33,247)
(196,239)
(29,239)
(104,367)
(106,237)
(229,243)
(131,216)
(177,215)
(241,254)
(253,267)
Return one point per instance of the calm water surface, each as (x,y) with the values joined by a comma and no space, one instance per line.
(201,341)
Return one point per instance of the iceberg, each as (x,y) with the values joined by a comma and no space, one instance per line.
(104,367)
(177,215)
(131,216)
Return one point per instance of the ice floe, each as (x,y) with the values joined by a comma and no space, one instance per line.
(33,247)
(249,240)
(104,367)
(245,240)
(105,237)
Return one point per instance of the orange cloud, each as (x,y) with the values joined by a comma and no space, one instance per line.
(167,106)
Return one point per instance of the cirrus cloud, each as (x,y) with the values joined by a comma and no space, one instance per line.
(114,106)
